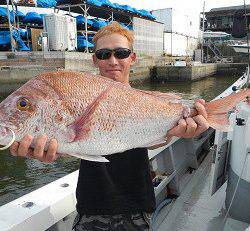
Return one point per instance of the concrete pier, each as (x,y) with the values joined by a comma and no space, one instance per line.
(21,66)
(183,74)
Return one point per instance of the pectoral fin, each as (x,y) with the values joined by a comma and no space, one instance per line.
(82,126)
(90,157)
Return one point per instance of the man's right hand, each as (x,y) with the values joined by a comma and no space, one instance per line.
(23,149)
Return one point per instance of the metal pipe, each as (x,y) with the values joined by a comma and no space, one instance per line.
(248,65)
(203,25)
(11,29)
(86,26)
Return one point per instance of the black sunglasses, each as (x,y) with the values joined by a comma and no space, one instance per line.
(119,53)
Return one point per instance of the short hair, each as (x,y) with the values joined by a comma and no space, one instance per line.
(114,28)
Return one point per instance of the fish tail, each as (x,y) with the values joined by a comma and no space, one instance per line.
(218,109)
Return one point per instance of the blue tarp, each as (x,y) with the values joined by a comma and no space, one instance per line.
(46,3)
(3,13)
(107,3)
(146,14)
(90,37)
(19,14)
(5,40)
(94,2)
(22,32)
(118,6)
(127,8)
(33,17)
(98,24)
(81,20)
(82,42)
(21,45)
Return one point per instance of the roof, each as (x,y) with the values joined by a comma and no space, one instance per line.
(230,8)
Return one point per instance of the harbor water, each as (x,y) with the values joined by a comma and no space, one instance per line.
(19,176)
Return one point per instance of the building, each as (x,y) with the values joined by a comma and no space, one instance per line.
(221,19)
(181,31)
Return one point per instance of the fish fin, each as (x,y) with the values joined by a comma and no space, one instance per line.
(82,126)
(159,143)
(218,109)
(162,95)
(90,157)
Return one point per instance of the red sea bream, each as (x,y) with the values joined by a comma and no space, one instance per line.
(92,116)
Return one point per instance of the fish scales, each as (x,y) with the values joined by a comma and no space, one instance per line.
(92,116)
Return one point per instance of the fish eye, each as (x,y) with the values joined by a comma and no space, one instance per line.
(23,104)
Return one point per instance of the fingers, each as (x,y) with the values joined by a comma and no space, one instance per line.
(39,147)
(190,127)
(202,124)
(179,129)
(200,107)
(14,148)
(23,149)
(51,156)
(24,145)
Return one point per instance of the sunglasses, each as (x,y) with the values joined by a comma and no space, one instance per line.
(119,53)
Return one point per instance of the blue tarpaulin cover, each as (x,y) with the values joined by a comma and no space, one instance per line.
(33,17)
(82,42)
(3,13)
(99,24)
(21,45)
(46,3)
(90,37)
(81,20)
(5,40)
(22,32)
(95,2)
(146,14)
(127,8)
(19,14)
(107,3)
(118,6)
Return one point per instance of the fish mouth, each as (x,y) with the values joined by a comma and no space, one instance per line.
(7,137)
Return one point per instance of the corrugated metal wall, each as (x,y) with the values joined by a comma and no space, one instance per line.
(148,37)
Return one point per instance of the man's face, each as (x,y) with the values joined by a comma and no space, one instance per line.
(114,68)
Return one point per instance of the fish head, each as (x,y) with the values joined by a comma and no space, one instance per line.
(32,109)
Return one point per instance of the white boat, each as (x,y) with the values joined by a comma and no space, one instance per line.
(193,168)
(215,34)
(241,48)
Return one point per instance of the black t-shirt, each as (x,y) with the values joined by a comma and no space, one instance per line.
(122,185)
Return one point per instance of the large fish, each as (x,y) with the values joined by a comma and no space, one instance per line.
(92,116)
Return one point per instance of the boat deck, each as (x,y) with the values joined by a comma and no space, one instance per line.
(195,209)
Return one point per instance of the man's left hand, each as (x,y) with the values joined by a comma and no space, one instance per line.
(191,126)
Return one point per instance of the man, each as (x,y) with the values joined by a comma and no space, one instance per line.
(115,195)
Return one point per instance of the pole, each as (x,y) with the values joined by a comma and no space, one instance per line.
(248,66)
(86,26)
(11,29)
(202,41)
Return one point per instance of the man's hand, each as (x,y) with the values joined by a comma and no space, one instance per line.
(192,126)
(23,149)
